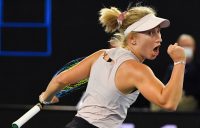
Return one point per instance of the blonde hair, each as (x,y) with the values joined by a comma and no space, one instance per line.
(108,19)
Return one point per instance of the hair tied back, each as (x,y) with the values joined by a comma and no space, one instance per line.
(121,18)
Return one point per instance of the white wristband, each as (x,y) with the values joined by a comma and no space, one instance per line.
(43,101)
(180,62)
(46,102)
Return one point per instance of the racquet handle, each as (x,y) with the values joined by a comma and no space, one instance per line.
(27,116)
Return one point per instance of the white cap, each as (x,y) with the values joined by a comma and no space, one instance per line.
(146,23)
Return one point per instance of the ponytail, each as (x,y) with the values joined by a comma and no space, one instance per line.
(112,19)
(108,19)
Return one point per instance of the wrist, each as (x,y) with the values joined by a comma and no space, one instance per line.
(180,62)
(43,100)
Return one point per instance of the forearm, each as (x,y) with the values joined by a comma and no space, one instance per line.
(172,92)
(53,87)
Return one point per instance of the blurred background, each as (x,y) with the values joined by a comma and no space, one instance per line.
(37,37)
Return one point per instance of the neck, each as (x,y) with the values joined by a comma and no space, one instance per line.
(140,58)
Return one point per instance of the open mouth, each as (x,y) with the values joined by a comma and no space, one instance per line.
(156,49)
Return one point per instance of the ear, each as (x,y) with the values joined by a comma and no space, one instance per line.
(133,42)
(132,39)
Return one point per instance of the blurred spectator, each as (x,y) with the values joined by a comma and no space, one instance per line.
(191,87)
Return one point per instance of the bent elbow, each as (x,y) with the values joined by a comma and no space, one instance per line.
(60,80)
(170,107)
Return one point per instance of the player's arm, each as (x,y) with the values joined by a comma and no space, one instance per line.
(153,89)
(166,96)
(70,76)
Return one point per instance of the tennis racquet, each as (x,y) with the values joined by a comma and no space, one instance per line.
(65,91)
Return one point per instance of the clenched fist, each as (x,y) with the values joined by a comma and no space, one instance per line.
(43,100)
(176,53)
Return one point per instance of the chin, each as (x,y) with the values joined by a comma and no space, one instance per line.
(152,58)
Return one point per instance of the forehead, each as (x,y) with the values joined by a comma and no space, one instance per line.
(156,28)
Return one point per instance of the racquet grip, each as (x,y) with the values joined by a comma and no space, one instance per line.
(27,116)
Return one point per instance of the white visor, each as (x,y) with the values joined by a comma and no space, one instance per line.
(146,23)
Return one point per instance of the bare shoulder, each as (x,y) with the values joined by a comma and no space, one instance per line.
(93,57)
(134,66)
(81,70)
(98,53)
(135,71)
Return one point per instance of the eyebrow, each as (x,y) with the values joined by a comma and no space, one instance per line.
(155,28)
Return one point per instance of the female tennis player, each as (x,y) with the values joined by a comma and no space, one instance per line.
(117,75)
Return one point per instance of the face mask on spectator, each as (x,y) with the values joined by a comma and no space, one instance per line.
(188,52)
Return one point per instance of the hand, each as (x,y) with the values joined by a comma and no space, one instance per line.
(176,53)
(43,100)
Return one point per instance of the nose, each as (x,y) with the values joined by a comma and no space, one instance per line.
(158,38)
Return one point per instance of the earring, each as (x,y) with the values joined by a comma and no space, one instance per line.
(133,42)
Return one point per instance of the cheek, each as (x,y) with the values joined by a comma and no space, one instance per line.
(146,50)
(147,47)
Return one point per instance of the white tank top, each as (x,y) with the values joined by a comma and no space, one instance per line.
(103,105)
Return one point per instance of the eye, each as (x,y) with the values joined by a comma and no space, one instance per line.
(153,32)
(150,33)
(158,31)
